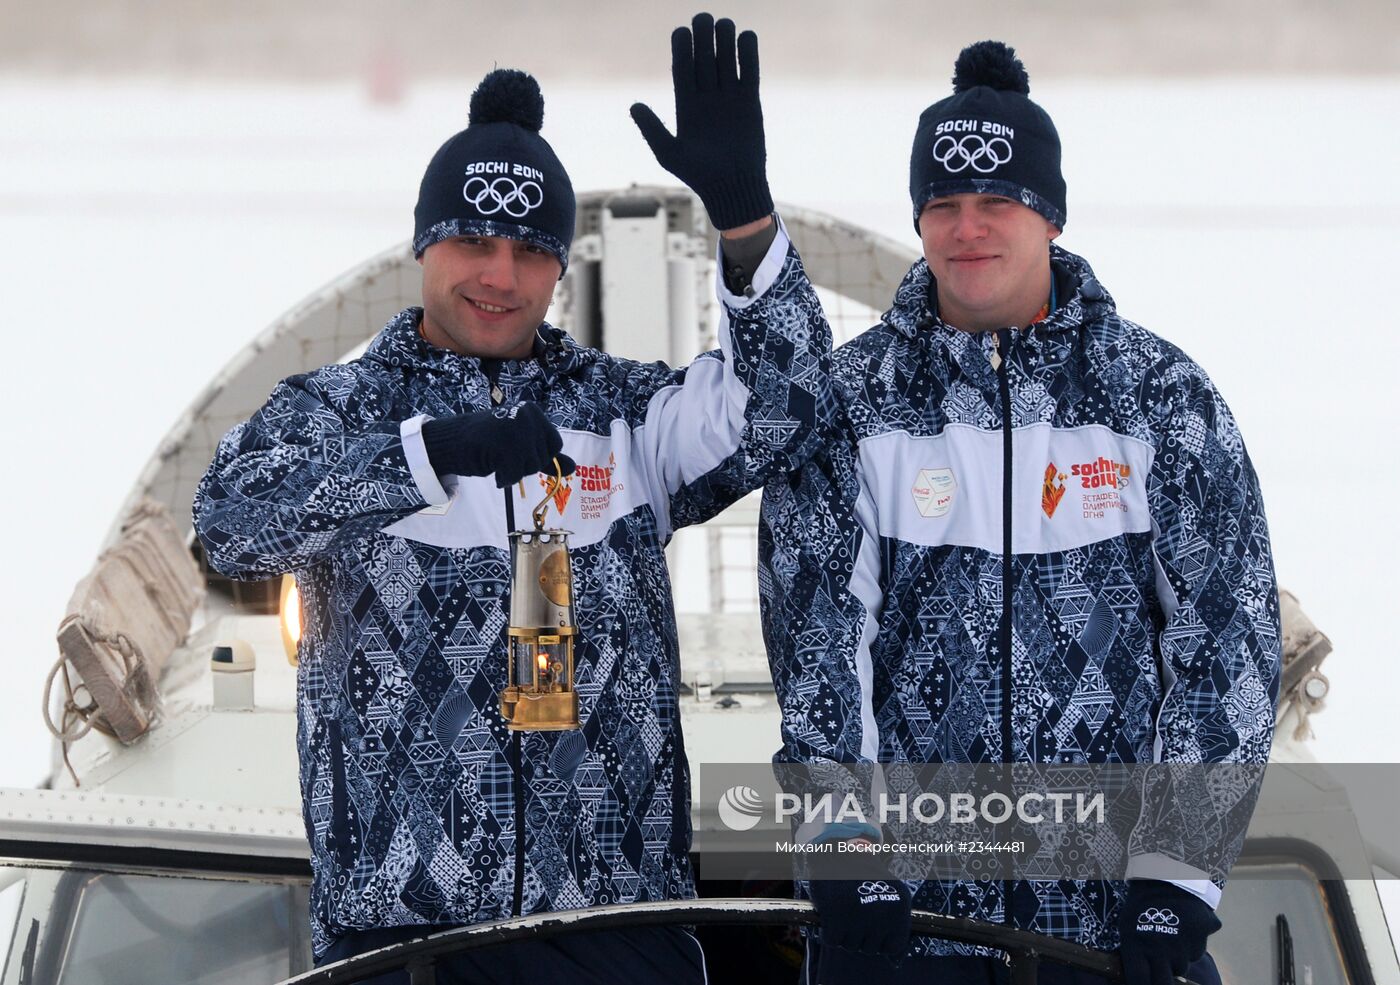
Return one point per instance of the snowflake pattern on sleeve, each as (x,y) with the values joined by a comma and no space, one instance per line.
(1146,644)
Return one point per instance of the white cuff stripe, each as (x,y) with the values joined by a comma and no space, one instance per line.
(1165,869)
(763,277)
(416,452)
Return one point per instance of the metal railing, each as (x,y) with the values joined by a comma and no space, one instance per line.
(1025,950)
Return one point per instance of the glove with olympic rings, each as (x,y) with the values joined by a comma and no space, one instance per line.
(867,916)
(1162,929)
(718,148)
(510,444)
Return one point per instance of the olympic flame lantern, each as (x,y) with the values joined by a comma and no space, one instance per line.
(539,694)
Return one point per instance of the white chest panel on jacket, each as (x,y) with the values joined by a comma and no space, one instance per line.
(1070,486)
(602,491)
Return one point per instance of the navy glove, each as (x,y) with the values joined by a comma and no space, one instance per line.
(511,445)
(868,916)
(838,966)
(1162,929)
(718,148)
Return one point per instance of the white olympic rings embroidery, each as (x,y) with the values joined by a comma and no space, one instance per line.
(972,150)
(870,888)
(502,195)
(1164,917)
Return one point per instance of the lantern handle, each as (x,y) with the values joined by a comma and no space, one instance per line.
(555,483)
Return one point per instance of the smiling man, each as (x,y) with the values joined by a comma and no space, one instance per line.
(987,254)
(379,483)
(1036,538)
(486,295)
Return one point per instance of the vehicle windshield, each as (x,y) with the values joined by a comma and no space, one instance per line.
(1249,940)
(92,926)
(88,925)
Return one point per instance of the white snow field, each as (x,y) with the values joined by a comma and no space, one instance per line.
(148,230)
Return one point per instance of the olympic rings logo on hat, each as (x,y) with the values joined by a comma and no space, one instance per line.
(502,195)
(972,150)
(870,888)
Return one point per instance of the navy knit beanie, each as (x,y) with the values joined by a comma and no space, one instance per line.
(988,138)
(498,177)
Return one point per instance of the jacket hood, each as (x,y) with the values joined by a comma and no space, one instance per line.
(1082,298)
(400,345)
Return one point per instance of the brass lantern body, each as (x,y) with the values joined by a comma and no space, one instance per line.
(539,694)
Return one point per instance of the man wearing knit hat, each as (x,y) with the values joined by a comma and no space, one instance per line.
(379,483)
(1036,538)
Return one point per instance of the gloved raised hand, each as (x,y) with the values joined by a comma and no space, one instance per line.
(510,444)
(1162,929)
(718,147)
(867,916)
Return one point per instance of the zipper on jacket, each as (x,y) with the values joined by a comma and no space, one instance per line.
(517,761)
(1001,357)
(1001,348)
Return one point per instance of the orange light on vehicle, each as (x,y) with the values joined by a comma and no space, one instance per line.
(289,616)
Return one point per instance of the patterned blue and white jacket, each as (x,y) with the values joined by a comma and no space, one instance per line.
(420,806)
(1061,560)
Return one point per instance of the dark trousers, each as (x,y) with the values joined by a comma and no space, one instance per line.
(851,969)
(637,956)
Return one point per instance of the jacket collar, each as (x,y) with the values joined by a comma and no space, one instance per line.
(1082,299)
(399,344)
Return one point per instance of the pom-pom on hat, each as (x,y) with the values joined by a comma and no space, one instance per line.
(988,138)
(498,177)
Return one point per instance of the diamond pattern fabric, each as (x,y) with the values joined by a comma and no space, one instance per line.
(411,779)
(1144,621)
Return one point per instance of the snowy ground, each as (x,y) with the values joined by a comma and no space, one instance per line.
(149,230)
